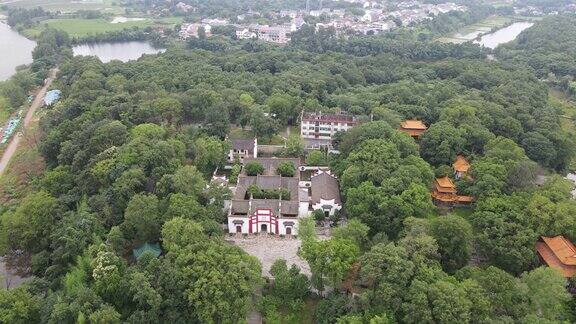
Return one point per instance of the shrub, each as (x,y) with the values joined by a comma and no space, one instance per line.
(234,173)
(318,215)
(253,168)
(286,169)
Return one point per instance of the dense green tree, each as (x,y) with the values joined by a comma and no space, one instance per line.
(289,283)
(210,154)
(19,306)
(316,158)
(142,220)
(454,237)
(286,169)
(548,297)
(189,181)
(294,146)
(253,168)
(354,231)
(441,142)
(29,226)
(387,273)
(329,259)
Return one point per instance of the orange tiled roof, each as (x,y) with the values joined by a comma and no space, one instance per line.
(413,124)
(558,253)
(465,199)
(445,191)
(461,164)
(451,197)
(562,248)
(445,182)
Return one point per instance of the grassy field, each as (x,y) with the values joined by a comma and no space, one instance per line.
(239,133)
(85,27)
(106,6)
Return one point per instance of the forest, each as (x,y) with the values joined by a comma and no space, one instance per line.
(551,54)
(131,148)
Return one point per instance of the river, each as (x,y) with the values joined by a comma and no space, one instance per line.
(123,51)
(15,50)
(503,35)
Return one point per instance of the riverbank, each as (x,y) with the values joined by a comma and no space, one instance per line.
(478,30)
(503,35)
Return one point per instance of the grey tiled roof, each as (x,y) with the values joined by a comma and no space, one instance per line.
(243,144)
(324,186)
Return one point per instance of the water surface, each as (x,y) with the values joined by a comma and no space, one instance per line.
(121,19)
(503,35)
(15,50)
(123,51)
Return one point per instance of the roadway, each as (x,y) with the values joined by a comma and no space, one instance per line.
(15,141)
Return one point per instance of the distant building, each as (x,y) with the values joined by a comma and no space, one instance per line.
(245,34)
(558,253)
(243,148)
(318,129)
(192,30)
(414,128)
(215,21)
(274,34)
(325,193)
(249,214)
(461,167)
(181,6)
(445,193)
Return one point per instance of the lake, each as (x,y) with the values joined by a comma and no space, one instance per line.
(123,51)
(503,35)
(15,50)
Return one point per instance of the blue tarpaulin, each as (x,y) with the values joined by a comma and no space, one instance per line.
(51,97)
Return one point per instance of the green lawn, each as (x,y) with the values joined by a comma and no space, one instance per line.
(83,27)
(106,6)
(239,133)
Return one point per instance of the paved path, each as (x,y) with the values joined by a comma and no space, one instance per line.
(37,103)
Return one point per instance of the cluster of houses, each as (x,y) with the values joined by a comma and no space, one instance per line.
(276,214)
(270,202)
(376,18)
(279,34)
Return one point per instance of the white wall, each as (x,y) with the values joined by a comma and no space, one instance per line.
(232,226)
(331,202)
(263,219)
(303,209)
(282,226)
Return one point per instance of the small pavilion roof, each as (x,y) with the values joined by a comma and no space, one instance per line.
(461,164)
(445,182)
(413,124)
(153,248)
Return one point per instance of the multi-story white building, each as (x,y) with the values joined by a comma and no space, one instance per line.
(318,129)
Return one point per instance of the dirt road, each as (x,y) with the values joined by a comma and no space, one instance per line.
(37,103)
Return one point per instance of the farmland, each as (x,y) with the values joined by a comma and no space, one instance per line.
(85,27)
